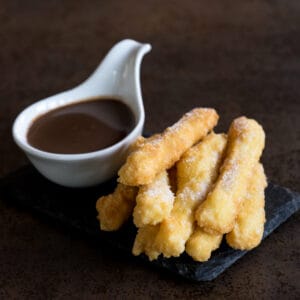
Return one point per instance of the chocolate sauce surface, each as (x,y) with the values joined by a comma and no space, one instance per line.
(81,127)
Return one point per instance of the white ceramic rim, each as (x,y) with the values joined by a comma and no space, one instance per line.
(71,157)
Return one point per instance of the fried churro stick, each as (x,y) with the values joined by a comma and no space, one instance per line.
(246,141)
(137,144)
(196,170)
(201,244)
(143,242)
(163,150)
(115,209)
(249,227)
(154,201)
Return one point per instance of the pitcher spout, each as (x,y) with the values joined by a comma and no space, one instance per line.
(119,74)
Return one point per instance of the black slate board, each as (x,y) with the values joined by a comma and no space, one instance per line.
(75,208)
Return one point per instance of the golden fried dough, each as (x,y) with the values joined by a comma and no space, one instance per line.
(160,152)
(143,242)
(246,140)
(137,144)
(154,201)
(196,172)
(201,244)
(115,209)
(249,227)
(219,186)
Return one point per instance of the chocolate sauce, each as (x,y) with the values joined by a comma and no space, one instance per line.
(81,127)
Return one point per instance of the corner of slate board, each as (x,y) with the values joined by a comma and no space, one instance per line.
(26,188)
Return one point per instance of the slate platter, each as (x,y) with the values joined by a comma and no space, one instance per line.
(75,209)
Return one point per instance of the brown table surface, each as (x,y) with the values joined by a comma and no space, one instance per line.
(241,57)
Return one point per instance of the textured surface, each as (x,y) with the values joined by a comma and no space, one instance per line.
(241,57)
(64,206)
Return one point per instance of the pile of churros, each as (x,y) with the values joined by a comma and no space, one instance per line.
(188,187)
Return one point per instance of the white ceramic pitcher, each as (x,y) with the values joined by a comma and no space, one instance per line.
(118,75)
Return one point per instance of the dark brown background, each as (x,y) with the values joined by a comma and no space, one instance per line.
(241,57)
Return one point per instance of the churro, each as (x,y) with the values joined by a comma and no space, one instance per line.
(246,140)
(116,208)
(201,244)
(249,226)
(143,242)
(154,201)
(196,172)
(163,150)
(217,181)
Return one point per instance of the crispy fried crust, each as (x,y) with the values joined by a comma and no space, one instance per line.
(246,140)
(219,186)
(137,144)
(145,237)
(115,209)
(162,150)
(143,242)
(154,201)
(196,172)
(249,227)
(201,244)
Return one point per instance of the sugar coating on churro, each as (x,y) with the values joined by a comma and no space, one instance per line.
(249,226)
(115,209)
(219,186)
(154,201)
(201,244)
(202,163)
(246,140)
(143,242)
(161,151)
